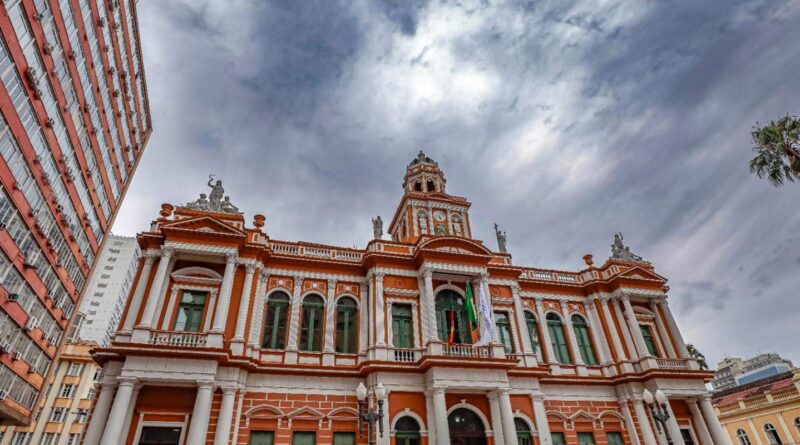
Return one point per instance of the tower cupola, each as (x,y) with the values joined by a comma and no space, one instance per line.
(423,175)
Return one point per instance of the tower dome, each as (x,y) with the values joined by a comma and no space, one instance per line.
(424,176)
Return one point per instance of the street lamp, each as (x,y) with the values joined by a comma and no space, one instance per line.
(367,414)
(659,411)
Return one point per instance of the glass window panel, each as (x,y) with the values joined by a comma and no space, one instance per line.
(261,438)
(586,439)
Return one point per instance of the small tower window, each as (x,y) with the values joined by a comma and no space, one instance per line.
(431,186)
(418,186)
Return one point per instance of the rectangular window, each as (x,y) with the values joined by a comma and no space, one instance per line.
(48,439)
(649,340)
(57,415)
(504,331)
(304,438)
(76,368)
(21,439)
(344,438)
(586,439)
(190,311)
(67,391)
(558,438)
(261,438)
(402,329)
(73,438)
(82,415)
(160,435)
(614,438)
(687,436)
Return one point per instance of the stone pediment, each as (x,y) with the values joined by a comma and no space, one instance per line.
(203,224)
(640,273)
(457,245)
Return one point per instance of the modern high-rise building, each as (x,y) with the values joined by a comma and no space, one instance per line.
(64,408)
(231,336)
(74,121)
(108,289)
(734,371)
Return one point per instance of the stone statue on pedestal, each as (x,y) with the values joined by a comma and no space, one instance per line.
(377,227)
(501,238)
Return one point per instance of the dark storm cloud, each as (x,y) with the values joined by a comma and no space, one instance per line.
(562,121)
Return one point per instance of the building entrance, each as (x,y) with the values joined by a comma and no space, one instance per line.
(466,428)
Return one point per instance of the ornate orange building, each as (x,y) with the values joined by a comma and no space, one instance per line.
(231,337)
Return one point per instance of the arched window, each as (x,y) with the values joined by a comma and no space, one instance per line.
(742,436)
(772,435)
(450,313)
(418,186)
(524,436)
(346,326)
(275,321)
(466,428)
(533,330)
(558,338)
(584,342)
(407,431)
(431,185)
(649,340)
(504,331)
(313,319)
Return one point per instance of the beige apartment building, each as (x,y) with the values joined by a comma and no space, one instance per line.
(65,405)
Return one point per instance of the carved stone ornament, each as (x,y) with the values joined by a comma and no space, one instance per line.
(215,201)
(620,251)
(377,227)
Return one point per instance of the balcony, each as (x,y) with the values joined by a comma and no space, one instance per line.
(178,339)
(467,351)
(406,355)
(668,363)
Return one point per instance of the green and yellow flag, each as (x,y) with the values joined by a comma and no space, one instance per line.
(473,319)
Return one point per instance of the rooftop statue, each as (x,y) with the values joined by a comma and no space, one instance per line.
(377,227)
(213,202)
(501,238)
(619,251)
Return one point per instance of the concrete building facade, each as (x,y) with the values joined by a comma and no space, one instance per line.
(734,371)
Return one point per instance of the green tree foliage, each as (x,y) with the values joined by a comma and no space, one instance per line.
(777,147)
(698,356)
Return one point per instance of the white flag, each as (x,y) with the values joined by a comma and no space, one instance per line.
(487,321)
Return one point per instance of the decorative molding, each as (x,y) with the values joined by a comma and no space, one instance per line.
(314,275)
(202,249)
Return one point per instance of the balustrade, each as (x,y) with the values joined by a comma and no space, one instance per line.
(468,351)
(179,339)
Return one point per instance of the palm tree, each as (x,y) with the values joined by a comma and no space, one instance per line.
(698,356)
(777,148)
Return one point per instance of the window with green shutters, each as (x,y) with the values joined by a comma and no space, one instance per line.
(261,438)
(584,342)
(558,439)
(450,307)
(402,326)
(190,311)
(346,326)
(614,438)
(504,331)
(649,341)
(558,338)
(275,321)
(311,327)
(524,436)
(304,438)
(586,439)
(533,330)
(407,431)
(344,438)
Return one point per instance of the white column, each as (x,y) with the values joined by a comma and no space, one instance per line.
(633,324)
(258,310)
(662,331)
(294,318)
(224,300)
(117,415)
(784,427)
(507,414)
(387,427)
(440,414)
(712,421)
(756,433)
(525,341)
(629,424)
(138,293)
(244,303)
(380,311)
(626,332)
(430,418)
(153,296)
(223,431)
(202,409)
(644,423)
(363,314)
(573,342)
(100,415)
(497,420)
(699,422)
(428,302)
(673,327)
(672,425)
(548,343)
(126,426)
(598,334)
(542,427)
(330,318)
(612,327)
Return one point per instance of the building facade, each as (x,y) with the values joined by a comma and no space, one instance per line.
(65,406)
(74,121)
(765,412)
(108,289)
(232,337)
(734,371)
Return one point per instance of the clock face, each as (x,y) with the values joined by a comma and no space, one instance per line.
(439,215)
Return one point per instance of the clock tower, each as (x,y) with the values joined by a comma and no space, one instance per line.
(426,209)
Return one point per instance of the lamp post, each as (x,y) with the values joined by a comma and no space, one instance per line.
(658,409)
(367,414)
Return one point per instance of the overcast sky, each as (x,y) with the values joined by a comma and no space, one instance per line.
(562,121)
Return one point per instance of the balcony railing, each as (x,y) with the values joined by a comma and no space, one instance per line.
(548,275)
(468,351)
(406,355)
(179,339)
(316,252)
(668,363)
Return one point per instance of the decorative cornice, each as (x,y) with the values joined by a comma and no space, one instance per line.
(203,249)
(401,292)
(447,267)
(314,275)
